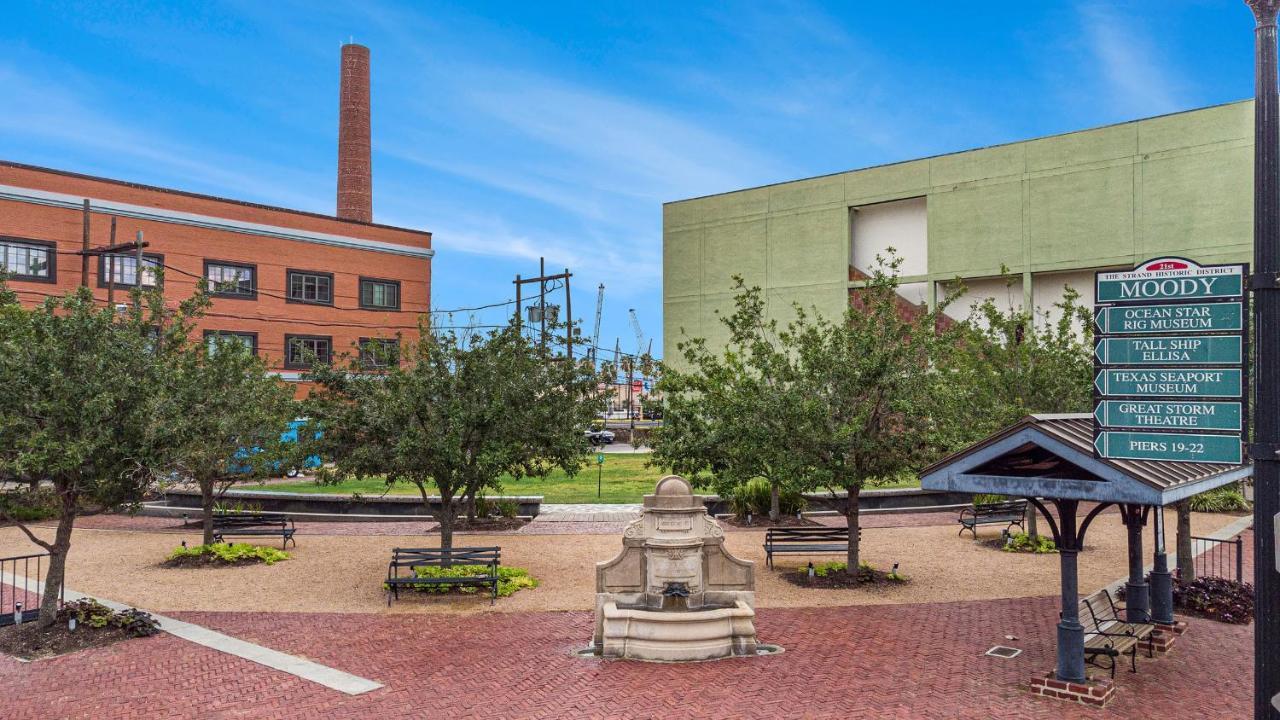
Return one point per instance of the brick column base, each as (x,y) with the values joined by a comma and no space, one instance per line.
(1163,638)
(1096,692)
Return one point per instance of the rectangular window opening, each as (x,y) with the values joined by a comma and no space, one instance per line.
(307,286)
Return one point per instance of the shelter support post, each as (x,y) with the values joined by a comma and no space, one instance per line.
(1069,537)
(1137,598)
(1161,579)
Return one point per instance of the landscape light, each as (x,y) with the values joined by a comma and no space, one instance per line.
(17,613)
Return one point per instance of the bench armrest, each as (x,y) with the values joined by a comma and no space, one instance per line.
(972,514)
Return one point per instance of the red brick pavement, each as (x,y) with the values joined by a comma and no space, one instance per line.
(905,661)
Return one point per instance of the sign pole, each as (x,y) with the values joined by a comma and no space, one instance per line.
(1266,314)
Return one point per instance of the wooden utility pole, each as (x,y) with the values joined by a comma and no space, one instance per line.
(542,280)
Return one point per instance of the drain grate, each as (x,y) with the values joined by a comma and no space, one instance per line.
(1002,651)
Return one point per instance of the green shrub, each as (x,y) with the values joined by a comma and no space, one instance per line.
(1227,498)
(508,508)
(510,579)
(237,506)
(483,506)
(865,569)
(30,505)
(91,613)
(988,498)
(1022,542)
(233,554)
(754,497)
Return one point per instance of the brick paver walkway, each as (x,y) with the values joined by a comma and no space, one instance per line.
(906,661)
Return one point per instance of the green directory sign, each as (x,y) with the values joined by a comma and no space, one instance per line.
(1169,414)
(1171,382)
(1171,350)
(1170,279)
(1182,317)
(1183,447)
(1169,360)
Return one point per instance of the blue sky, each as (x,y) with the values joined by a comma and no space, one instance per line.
(514,130)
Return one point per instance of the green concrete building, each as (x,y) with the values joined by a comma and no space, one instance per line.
(1051,210)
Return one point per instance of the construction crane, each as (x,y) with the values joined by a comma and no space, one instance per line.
(595,336)
(635,327)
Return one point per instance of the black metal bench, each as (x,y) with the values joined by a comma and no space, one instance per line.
(1106,635)
(805,541)
(1009,513)
(253,524)
(444,558)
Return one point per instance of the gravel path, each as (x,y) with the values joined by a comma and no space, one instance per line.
(342,573)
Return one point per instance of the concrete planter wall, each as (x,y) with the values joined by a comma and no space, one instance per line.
(403,505)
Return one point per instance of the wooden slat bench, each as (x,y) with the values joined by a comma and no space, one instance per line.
(1106,635)
(805,541)
(1008,513)
(411,558)
(252,525)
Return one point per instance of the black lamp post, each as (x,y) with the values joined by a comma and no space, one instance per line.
(1265,284)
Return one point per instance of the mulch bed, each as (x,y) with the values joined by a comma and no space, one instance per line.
(499,524)
(763,521)
(206,561)
(29,642)
(839,580)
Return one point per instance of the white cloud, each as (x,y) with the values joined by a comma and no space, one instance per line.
(1135,75)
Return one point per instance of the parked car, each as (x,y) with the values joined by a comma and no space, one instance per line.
(599,437)
(288,436)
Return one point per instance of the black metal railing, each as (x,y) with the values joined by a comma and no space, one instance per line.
(1218,558)
(20,579)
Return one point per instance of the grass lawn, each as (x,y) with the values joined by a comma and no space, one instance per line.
(624,479)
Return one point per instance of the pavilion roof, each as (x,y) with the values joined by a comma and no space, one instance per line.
(1053,456)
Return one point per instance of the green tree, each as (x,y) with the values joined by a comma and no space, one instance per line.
(83,391)
(459,410)
(866,378)
(224,415)
(730,416)
(1007,364)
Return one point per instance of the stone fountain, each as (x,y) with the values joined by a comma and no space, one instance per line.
(674,593)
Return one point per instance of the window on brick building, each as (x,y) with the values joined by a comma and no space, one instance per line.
(299,349)
(379,352)
(216,339)
(378,294)
(228,279)
(124,268)
(28,259)
(306,286)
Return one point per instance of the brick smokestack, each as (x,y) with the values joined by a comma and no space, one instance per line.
(355,167)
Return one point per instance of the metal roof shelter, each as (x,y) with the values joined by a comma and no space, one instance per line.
(1051,458)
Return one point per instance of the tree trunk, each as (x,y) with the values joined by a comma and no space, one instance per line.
(54,577)
(1032,530)
(775,503)
(853,560)
(1186,557)
(206,511)
(446,517)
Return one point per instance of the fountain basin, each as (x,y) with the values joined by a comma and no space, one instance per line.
(666,636)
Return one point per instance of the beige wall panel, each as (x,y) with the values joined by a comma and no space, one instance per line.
(814,193)
(1201,127)
(1081,148)
(1203,201)
(682,262)
(972,231)
(984,164)
(809,248)
(1081,217)
(886,182)
(733,249)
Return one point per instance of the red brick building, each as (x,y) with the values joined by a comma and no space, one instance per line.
(281,279)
